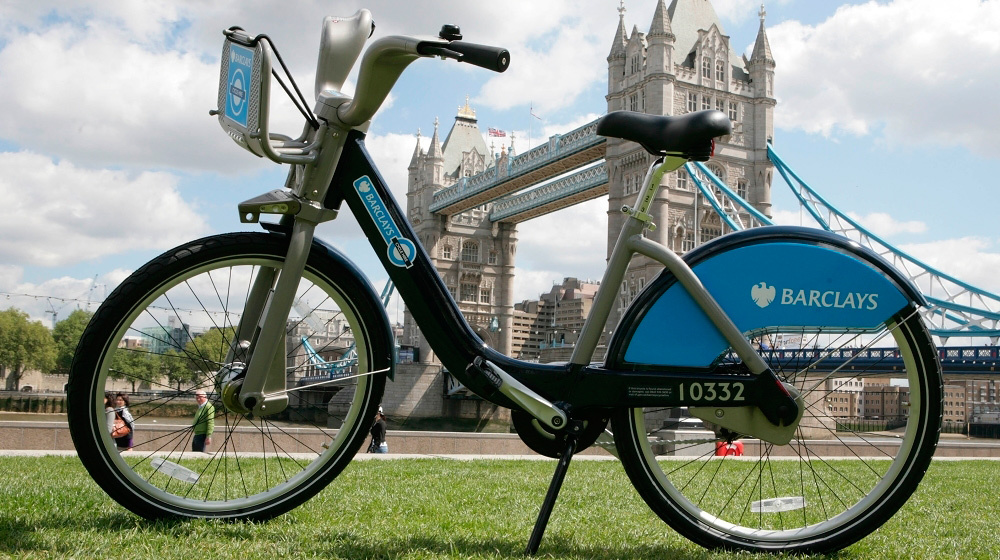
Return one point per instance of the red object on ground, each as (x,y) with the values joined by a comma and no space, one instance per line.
(735,449)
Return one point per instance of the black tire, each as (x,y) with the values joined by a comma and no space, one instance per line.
(256,467)
(841,480)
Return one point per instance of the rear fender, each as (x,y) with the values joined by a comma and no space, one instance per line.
(763,278)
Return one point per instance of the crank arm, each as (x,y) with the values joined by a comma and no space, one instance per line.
(533,403)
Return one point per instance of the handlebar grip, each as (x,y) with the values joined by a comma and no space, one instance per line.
(484,56)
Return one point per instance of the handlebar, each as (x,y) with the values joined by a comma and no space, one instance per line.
(496,59)
(387,57)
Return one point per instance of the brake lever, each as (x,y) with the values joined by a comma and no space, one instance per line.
(429,49)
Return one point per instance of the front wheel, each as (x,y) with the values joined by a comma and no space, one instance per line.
(870,426)
(167,334)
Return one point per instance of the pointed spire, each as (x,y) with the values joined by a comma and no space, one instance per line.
(467,112)
(435,152)
(661,21)
(618,45)
(415,160)
(635,32)
(761,48)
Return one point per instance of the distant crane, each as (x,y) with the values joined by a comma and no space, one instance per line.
(54,310)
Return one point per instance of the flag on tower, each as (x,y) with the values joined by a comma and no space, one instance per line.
(497,132)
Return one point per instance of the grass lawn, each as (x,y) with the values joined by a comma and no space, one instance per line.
(439,508)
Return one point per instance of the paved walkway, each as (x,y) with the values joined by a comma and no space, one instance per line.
(33,438)
(359,456)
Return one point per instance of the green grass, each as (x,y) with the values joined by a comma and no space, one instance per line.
(436,508)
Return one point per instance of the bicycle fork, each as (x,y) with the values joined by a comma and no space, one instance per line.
(261,391)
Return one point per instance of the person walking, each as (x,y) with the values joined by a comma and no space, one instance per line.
(109,411)
(124,442)
(204,422)
(378,444)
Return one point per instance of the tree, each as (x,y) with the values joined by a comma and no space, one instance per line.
(208,351)
(135,365)
(176,368)
(24,345)
(66,335)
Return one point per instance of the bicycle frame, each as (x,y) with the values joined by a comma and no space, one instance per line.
(336,168)
(579,383)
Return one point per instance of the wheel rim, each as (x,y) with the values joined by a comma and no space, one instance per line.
(252,462)
(827,478)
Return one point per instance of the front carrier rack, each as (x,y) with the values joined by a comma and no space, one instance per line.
(245,95)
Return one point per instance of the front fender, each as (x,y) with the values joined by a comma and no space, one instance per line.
(764,278)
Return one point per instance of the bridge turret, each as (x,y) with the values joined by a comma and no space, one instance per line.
(661,39)
(415,206)
(616,58)
(761,115)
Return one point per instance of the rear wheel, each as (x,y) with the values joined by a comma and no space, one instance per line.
(870,426)
(165,334)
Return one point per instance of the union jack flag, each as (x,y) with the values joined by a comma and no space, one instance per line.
(497,132)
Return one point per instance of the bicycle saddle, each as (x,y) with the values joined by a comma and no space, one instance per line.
(689,136)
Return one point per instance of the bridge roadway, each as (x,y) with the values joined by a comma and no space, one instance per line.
(561,154)
(956,361)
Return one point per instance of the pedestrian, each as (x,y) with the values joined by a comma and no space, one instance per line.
(378,444)
(124,442)
(204,422)
(109,411)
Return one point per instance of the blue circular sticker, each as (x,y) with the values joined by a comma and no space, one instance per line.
(407,247)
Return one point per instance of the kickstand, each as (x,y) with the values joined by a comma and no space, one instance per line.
(552,494)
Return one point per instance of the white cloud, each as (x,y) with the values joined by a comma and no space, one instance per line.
(898,68)
(391,154)
(573,241)
(884,225)
(529,284)
(741,10)
(551,77)
(878,223)
(123,84)
(59,214)
(59,295)
(95,97)
(973,260)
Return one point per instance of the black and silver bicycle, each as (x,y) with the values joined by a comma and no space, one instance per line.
(293,344)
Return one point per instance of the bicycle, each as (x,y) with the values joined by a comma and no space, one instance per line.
(700,344)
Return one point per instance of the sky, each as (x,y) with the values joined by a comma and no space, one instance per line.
(108,155)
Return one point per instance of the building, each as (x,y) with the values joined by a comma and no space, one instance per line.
(474,256)
(844,397)
(546,329)
(956,409)
(173,336)
(686,63)
(884,401)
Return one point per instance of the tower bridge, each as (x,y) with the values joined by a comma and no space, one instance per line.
(562,153)
(465,201)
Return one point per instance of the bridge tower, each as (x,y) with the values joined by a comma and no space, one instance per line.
(686,63)
(473,255)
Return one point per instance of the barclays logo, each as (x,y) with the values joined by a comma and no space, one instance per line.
(762,294)
(238,58)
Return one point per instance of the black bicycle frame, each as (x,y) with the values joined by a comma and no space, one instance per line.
(432,306)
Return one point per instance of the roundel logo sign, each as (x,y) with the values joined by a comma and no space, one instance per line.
(238,85)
